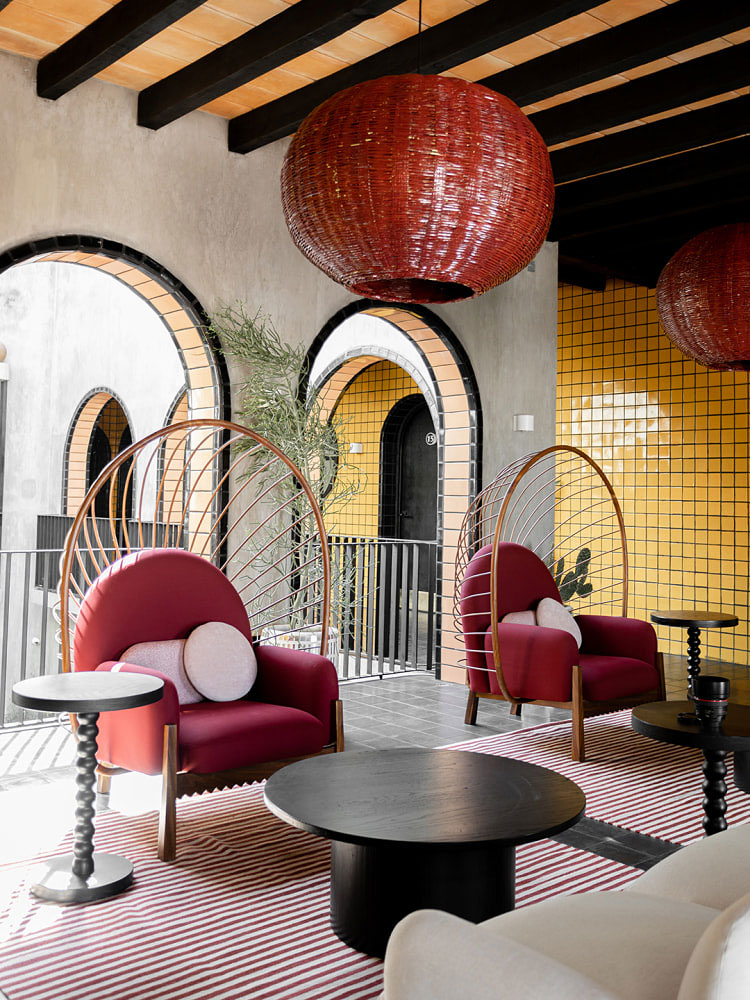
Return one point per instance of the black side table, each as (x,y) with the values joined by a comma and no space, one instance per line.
(660,720)
(418,828)
(694,621)
(84,875)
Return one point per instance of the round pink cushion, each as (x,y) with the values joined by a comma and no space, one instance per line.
(166,656)
(551,614)
(520,618)
(220,662)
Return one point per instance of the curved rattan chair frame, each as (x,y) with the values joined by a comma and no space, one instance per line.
(203,493)
(520,491)
(500,531)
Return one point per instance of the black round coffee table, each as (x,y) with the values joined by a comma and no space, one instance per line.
(420,828)
(660,720)
(84,875)
(694,621)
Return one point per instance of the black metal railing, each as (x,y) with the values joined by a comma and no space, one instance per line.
(52,530)
(384,607)
(28,629)
(384,612)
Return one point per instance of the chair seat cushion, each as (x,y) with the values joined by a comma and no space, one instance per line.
(225,735)
(606,678)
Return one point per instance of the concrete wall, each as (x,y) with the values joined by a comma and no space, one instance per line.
(81,165)
(69,330)
(213,218)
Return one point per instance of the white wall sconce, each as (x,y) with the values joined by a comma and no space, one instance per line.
(523,421)
(355,448)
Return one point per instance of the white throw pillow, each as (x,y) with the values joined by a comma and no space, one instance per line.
(520,618)
(551,614)
(220,661)
(165,656)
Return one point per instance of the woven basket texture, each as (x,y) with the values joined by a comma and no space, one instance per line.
(418,189)
(703,298)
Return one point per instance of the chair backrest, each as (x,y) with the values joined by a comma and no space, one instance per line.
(152,595)
(224,493)
(522,581)
(719,967)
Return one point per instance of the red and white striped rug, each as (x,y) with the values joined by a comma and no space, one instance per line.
(241,915)
(629,780)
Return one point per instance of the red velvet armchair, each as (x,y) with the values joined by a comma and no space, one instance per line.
(292,711)
(617,666)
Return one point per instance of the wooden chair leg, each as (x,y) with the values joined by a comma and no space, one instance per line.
(578,748)
(660,671)
(338,716)
(103,782)
(168,812)
(470,719)
(515,709)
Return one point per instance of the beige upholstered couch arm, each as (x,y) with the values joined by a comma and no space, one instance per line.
(435,956)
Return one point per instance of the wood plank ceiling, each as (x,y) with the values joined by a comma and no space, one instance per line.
(645,104)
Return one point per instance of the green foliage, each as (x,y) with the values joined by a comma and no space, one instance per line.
(270,403)
(574,582)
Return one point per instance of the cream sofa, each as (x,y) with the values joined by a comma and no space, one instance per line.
(679,932)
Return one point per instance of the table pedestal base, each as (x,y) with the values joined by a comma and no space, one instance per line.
(373,887)
(56,881)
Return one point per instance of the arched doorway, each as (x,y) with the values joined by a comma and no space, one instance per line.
(142,328)
(423,346)
(183,315)
(110,435)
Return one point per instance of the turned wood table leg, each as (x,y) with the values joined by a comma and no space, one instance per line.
(83,845)
(694,658)
(83,875)
(714,791)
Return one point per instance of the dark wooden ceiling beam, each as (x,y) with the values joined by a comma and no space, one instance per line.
(597,197)
(670,225)
(581,273)
(664,204)
(465,36)
(298,29)
(634,43)
(648,142)
(694,80)
(121,29)
(593,274)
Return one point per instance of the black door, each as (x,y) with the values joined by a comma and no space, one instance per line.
(408,511)
(417,500)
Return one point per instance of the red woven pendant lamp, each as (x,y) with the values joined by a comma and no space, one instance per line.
(418,189)
(703,297)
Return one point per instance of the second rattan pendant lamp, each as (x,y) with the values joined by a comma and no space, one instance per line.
(418,188)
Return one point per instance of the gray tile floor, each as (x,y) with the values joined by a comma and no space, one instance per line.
(410,710)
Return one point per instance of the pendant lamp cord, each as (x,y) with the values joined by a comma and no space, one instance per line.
(419,40)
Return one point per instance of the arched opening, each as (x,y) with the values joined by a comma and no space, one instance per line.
(182,314)
(415,341)
(110,435)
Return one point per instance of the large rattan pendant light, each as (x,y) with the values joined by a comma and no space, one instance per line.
(703,297)
(418,189)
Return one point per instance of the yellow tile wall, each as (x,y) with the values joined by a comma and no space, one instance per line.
(673,438)
(363,407)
